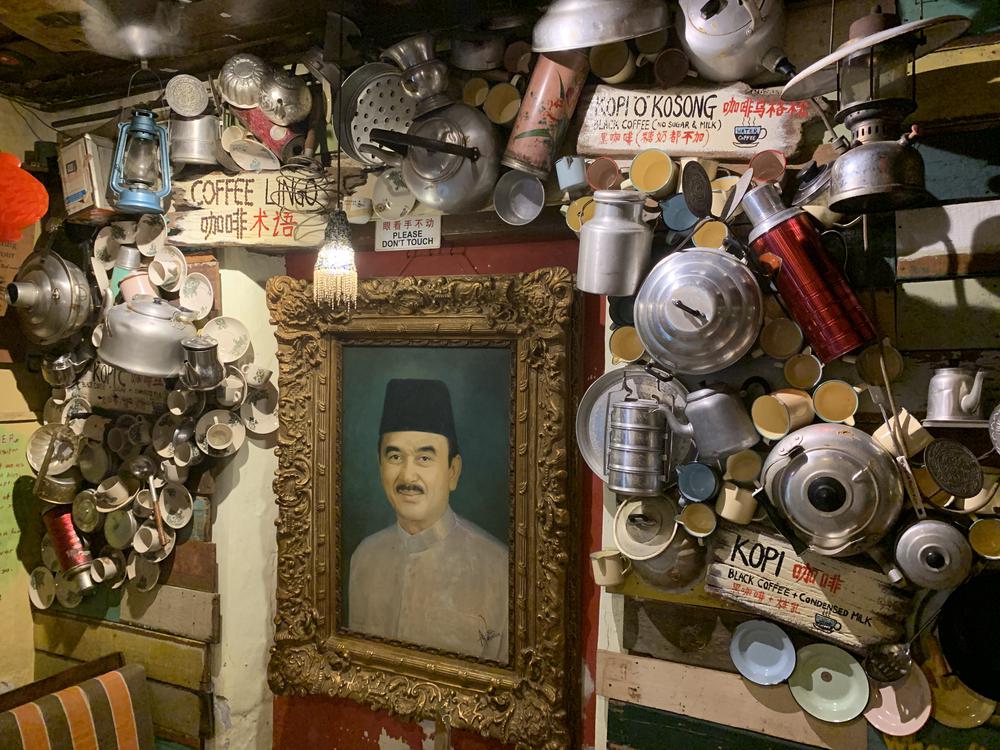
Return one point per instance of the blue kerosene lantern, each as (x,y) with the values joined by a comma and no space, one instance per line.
(140,174)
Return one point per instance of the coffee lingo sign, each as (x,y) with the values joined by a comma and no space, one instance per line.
(831,598)
(724,122)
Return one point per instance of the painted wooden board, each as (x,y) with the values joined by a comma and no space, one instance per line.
(177,661)
(833,599)
(948,315)
(108,387)
(634,586)
(249,210)
(719,697)
(721,121)
(176,712)
(191,566)
(191,614)
(698,636)
(962,239)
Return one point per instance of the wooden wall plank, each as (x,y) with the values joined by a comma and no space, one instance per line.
(634,586)
(702,694)
(962,313)
(192,566)
(176,712)
(961,239)
(176,661)
(191,614)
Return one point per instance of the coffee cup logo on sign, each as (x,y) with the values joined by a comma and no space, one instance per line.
(826,624)
(747,136)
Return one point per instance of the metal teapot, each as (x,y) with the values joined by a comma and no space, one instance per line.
(449,158)
(143,336)
(840,491)
(955,395)
(203,370)
(718,422)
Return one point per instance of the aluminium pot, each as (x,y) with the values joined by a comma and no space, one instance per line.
(194,140)
(840,491)
(143,336)
(615,245)
(451,158)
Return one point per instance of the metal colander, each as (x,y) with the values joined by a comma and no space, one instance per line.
(372,97)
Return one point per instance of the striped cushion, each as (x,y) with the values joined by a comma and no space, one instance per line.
(109,712)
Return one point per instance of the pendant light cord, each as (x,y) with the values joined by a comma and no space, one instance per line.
(340,100)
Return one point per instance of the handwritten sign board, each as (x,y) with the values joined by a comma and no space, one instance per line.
(249,210)
(16,650)
(830,598)
(731,122)
(412,233)
(109,387)
(12,255)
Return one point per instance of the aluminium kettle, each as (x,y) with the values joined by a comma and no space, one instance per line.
(955,394)
(718,422)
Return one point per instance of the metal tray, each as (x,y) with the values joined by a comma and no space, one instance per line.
(609,389)
(371,97)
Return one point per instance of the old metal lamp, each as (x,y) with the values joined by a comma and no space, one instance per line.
(872,73)
(140,173)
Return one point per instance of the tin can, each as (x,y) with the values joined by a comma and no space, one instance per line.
(545,113)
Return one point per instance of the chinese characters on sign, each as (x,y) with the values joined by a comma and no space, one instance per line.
(266,209)
(833,599)
(731,121)
(411,233)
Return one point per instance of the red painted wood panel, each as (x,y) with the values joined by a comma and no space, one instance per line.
(317,721)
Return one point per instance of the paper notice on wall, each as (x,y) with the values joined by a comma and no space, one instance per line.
(414,233)
(12,255)
(16,649)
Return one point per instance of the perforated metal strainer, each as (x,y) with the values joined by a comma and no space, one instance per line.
(372,97)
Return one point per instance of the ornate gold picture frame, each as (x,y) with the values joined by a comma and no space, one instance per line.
(532,700)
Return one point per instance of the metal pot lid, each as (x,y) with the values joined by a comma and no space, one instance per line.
(835,485)
(933,555)
(821,77)
(574,24)
(644,527)
(155,307)
(954,468)
(698,311)
(632,382)
(435,165)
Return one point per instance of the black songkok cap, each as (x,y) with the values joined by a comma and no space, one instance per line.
(418,406)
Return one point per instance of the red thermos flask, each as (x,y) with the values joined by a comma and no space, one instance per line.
(808,281)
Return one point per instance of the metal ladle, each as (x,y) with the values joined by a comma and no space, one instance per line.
(143,469)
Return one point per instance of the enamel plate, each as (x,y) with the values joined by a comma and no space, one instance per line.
(903,707)
(232,335)
(762,652)
(829,683)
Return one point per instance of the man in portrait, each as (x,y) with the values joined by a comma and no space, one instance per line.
(433,578)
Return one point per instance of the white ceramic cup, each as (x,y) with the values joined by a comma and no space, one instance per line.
(219,436)
(609,567)
(780,338)
(804,370)
(912,435)
(475,91)
(104,569)
(186,454)
(836,401)
(256,375)
(736,504)
(625,345)
(181,401)
(698,519)
(743,467)
(142,503)
(502,104)
(173,472)
(146,539)
(653,172)
(164,271)
(781,412)
(231,391)
(230,135)
(358,208)
(140,433)
(117,440)
(137,282)
(115,490)
(613,63)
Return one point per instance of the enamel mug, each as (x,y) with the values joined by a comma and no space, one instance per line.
(571,171)
(781,412)
(609,566)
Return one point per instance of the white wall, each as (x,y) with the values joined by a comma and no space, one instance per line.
(244,534)
(18,128)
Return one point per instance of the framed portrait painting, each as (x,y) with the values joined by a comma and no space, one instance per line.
(426,532)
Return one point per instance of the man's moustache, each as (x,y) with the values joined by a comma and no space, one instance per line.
(409,488)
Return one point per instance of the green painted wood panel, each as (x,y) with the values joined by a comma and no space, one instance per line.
(985,14)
